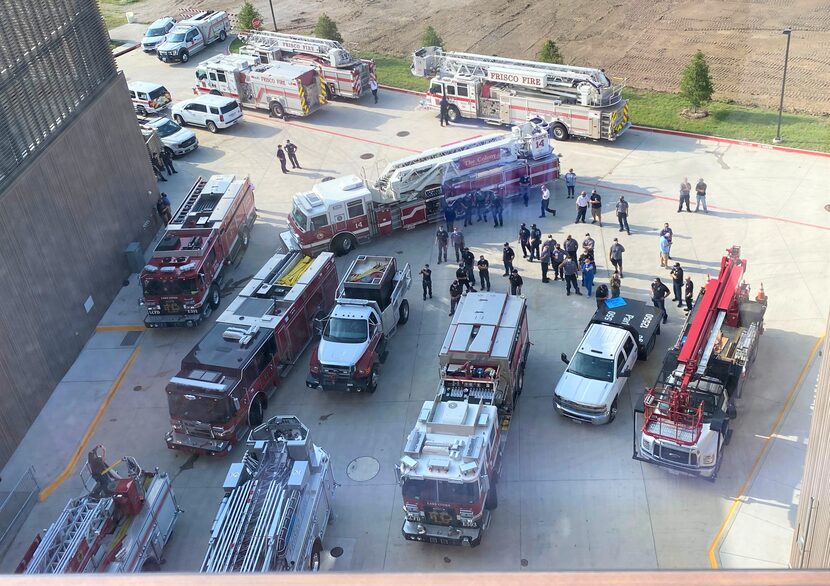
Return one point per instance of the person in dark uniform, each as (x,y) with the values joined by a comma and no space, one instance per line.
(469,260)
(535,241)
(291,151)
(496,206)
(571,246)
(544,258)
(449,216)
(463,277)
(163,208)
(659,292)
(483,273)
(481,205)
(524,188)
(443,239)
(281,157)
(158,168)
(689,289)
(469,203)
(426,281)
(557,257)
(677,283)
(516,283)
(444,108)
(615,283)
(507,256)
(455,295)
(570,269)
(524,238)
(167,160)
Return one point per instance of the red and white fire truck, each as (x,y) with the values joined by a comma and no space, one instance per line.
(281,88)
(224,383)
(682,422)
(342,73)
(120,525)
(211,229)
(574,101)
(453,456)
(339,213)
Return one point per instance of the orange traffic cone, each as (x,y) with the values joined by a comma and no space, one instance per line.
(761,297)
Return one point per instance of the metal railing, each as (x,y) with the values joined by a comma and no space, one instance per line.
(16,506)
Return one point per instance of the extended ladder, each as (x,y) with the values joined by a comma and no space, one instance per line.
(293,43)
(189,202)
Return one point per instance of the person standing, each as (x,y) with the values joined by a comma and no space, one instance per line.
(469,260)
(571,247)
(581,207)
(614,283)
(507,256)
(481,205)
(163,208)
(622,214)
(426,281)
(469,203)
(281,158)
(557,257)
(569,269)
(443,239)
(457,239)
(455,295)
(158,167)
(689,290)
(167,160)
(516,282)
(570,183)
(677,284)
(601,295)
(545,260)
(669,234)
(443,110)
(535,241)
(463,277)
(545,201)
(659,292)
(589,269)
(685,191)
(588,245)
(596,207)
(524,188)
(449,216)
(700,190)
(483,272)
(524,238)
(496,206)
(291,151)
(665,246)
(615,255)
(373,85)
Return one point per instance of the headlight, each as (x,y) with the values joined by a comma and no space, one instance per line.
(361,372)
(708,459)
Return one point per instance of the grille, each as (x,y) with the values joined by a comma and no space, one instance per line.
(188,142)
(674,455)
(580,407)
(171,307)
(337,371)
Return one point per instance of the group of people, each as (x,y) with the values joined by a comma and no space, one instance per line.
(289,152)
(480,202)
(162,162)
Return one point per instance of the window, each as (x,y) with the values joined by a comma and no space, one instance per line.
(211,257)
(299,218)
(435,89)
(593,367)
(197,108)
(212,76)
(132,94)
(191,35)
(462,90)
(355,209)
(214,110)
(158,92)
(142,96)
(620,362)
(221,77)
(318,222)
(345,330)
(628,347)
(450,90)
(229,107)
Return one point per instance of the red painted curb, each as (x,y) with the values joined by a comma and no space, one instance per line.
(400,90)
(125,51)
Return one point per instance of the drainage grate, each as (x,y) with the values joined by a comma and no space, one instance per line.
(336,551)
(131,338)
(403,133)
(367,156)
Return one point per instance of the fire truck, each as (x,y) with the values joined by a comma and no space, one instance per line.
(452,458)
(277,503)
(342,74)
(371,304)
(225,382)
(121,524)
(339,213)
(281,88)
(682,422)
(574,101)
(211,229)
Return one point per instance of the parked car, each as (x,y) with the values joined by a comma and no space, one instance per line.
(148,97)
(155,35)
(212,112)
(177,141)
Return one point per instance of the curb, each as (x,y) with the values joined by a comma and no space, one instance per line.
(684,134)
(122,51)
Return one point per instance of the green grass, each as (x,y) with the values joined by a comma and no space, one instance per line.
(114,11)
(234,46)
(394,71)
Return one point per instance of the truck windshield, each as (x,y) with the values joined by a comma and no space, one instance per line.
(593,367)
(167,129)
(299,218)
(198,407)
(155,32)
(347,331)
(441,491)
(171,287)
(176,38)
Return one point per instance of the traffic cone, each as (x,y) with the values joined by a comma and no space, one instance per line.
(761,297)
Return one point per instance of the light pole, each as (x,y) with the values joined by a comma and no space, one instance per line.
(787,31)
(274,19)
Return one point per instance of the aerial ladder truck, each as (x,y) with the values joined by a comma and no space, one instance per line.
(277,504)
(571,100)
(341,73)
(682,422)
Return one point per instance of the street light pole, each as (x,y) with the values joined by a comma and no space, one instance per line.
(274,20)
(787,31)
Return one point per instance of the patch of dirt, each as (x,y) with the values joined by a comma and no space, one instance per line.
(648,43)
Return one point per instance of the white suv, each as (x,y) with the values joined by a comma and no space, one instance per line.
(147,97)
(177,141)
(211,111)
(155,35)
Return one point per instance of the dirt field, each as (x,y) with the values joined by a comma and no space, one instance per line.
(647,42)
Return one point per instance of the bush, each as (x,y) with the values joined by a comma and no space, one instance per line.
(696,83)
(326,28)
(430,38)
(247,14)
(549,53)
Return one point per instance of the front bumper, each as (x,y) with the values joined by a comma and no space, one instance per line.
(315,381)
(179,151)
(170,57)
(583,416)
(174,321)
(442,534)
(204,446)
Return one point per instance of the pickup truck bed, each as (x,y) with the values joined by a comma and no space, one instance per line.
(639,318)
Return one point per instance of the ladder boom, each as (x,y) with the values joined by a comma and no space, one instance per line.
(271,41)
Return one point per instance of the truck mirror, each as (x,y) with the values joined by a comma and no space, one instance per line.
(485,483)
(625,373)
(236,404)
(564,358)
(398,477)
(141,301)
(319,323)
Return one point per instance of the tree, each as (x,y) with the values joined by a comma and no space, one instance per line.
(549,53)
(246,15)
(430,38)
(696,83)
(326,28)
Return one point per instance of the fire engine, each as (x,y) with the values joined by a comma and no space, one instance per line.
(453,456)
(211,229)
(342,74)
(281,88)
(574,101)
(339,213)
(224,383)
(682,422)
(277,504)
(121,524)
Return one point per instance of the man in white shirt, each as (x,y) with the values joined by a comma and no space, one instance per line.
(581,207)
(546,201)
(373,85)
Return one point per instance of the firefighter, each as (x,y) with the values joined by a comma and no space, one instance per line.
(596,207)
(163,208)
(659,292)
(689,292)
(615,256)
(496,206)
(158,168)
(571,247)
(449,215)
(535,241)
(443,238)
(463,278)
(569,270)
(557,257)
(545,260)
(426,281)
(167,161)
(291,151)
(281,157)
(455,295)
(469,203)
(484,272)
(524,237)
(677,283)
(444,108)
(524,188)
(507,256)
(469,260)
(481,204)
(457,239)
(516,283)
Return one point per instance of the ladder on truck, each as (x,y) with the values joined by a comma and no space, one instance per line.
(267,40)
(189,201)
(70,541)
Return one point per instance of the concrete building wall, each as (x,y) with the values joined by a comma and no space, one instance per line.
(811,541)
(67,216)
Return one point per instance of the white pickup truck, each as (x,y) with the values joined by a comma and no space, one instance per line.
(190,36)
(615,338)
(370,306)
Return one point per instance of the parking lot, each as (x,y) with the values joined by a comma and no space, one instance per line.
(571,495)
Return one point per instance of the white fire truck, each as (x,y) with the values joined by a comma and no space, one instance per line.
(682,422)
(342,74)
(211,229)
(121,525)
(574,101)
(453,456)
(190,36)
(281,88)
(277,504)
(338,214)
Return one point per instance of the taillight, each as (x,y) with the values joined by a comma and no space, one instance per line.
(221,117)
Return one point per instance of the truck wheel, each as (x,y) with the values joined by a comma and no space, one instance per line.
(403,312)
(316,556)
(214,296)
(373,381)
(255,412)
(453,113)
(184,56)
(657,331)
(520,383)
(277,111)
(222,36)
(560,132)
(141,110)
(245,237)
(643,354)
(178,120)
(211,126)
(492,501)
(613,415)
(343,244)
(215,93)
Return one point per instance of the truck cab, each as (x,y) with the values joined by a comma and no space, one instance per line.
(598,371)
(190,36)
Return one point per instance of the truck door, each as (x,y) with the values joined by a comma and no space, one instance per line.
(337,212)
(193,40)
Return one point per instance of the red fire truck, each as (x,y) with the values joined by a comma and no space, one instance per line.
(338,214)
(224,383)
(181,283)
